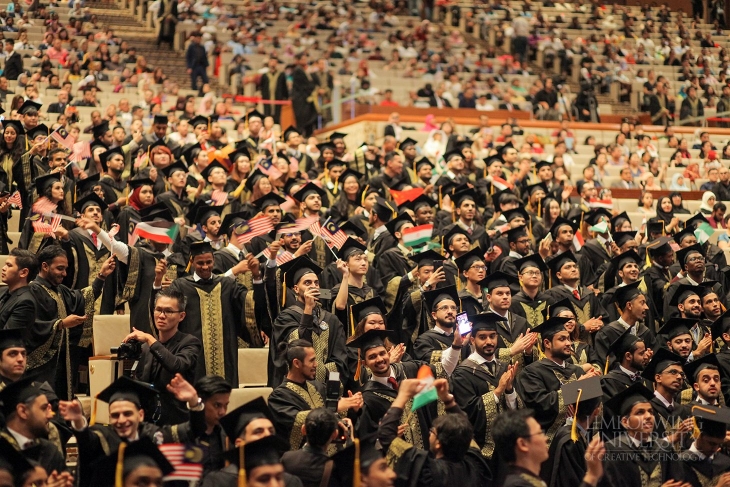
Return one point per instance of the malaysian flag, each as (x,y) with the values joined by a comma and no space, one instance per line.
(255,227)
(15,199)
(180,457)
(315,229)
(220,198)
(303,224)
(268,167)
(333,235)
(44,205)
(284,257)
(81,150)
(65,142)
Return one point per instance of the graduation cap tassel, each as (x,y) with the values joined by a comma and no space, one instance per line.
(539,209)
(359,367)
(574,427)
(241,467)
(352,324)
(92,420)
(608,361)
(119,472)
(356,466)
(283,290)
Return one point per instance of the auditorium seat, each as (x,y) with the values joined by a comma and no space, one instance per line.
(252,366)
(241,396)
(109,331)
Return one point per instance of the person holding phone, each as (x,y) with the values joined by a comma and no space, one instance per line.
(443,340)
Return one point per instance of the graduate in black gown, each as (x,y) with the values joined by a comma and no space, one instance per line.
(176,176)
(312,200)
(530,302)
(226,258)
(219,312)
(133,403)
(721,336)
(63,324)
(632,458)
(597,252)
(394,261)
(306,319)
(429,347)
(352,253)
(665,370)
(627,267)
(539,384)
(516,340)
(482,384)
(472,266)
(566,464)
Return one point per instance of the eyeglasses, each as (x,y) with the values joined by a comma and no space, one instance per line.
(478,267)
(531,273)
(446,308)
(166,311)
(674,372)
(541,432)
(698,258)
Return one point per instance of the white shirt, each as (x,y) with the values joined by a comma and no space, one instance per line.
(21,440)
(628,372)
(699,454)
(449,357)
(664,401)
(98,240)
(512,397)
(384,380)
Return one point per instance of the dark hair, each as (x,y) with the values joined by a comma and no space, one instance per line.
(182,300)
(705,367)
(454,432)
(719,206)
(510,199)
(294,350)
(26,259)
(389,157)
(319,426)
(210,385)
(50,253)
(508,428)
(55,151)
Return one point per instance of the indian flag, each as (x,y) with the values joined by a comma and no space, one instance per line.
(500,183)
(428,394)
(160,231)
(703,232)
(413,237)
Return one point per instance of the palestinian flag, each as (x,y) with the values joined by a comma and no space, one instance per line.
(413,237)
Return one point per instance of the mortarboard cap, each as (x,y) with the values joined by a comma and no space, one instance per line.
(42,183)
(349,248)
(557,262)
(213,165)
(514,234)
(533,260)
(17,392)
(622,403)
(675,327)
(559,222)
(11,338)
(623,343)
(16,124)
(595,215)
(407,142)
(683,254)
(550,327)
(200,248)
(110,470)
(627,293)
(688,232)
(179,165)
(160,119)
(467,260)
(711,421)
(518,212)
(485,322)
(398,222)
(199,120)
(230,221)
(618,219)
(698,365)
(368,307)
(683,292)
(29,105)
(91,199)
(660,246)
(83,186)
(204,212)
(354,227)
(39,130)
(138,393)
(99,130)
(310,189)
(662,359)
(626,258)
(234,423)
(498,279)
(295,269)
(435,296)
(139,182)
(370,339)
(621,238)
(425,258)
(721,325)
(451,154)
(361,455)
(106,155)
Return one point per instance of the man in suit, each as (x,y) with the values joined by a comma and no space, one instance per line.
(174,353)
(13,61)
(60,105)
(17,307)
(627,180)
(437,100)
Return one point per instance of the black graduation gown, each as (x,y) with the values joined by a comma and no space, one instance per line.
(611,384)
(429,346)
(43,451)
(127,220)
(539,386)
(593,257)
(290,403)
(325,332)
(306,464)
(98,441)
(17,309)
(381,243)
(112,189)
(664,419)
(610,333)
(519,477)
(355,295)
(699,473)
(305,113)
(377,399)
(470,304)
(331,277)
(178,206)
(508,334)
(219,312)
(84,263)
(192,432)
(223,261)
(585,308)
(629,466)
(472,385)
(391,263)
(566,465)
(259,244)
(53,353)
(528,308)
(273,87)
(320,253)
(670,311)
(723,357)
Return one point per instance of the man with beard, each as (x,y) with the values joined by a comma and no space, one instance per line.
(131,407)
(13,356)
(704,376)
(394,175)
(626,266)
(440,342)
(28,413)
(422,208)
(519,246)
(382,387)
(483,385)
(671,417)
(302,316)
(692,261)
(300,392)
(269,205)
(632,303)
(539,384)
(689,304)
(678,339)
(530,301)
(711,305)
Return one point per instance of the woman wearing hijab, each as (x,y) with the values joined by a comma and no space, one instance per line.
(141,197)
(679,183)
(708,201)
(665,214)
(677,205)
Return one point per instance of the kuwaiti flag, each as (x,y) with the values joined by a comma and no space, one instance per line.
(415,236)
(158,231)
(594,203)
(428,394)
(500,183)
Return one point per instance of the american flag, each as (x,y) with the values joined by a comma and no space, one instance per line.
(293,165)
(184,470)
(255,227)
(284,257)
(66,142)
(140,159)
(42,227)
(220,198)
(16,200)
(288,205)
(268,167)
(81,150)
(44,205)
(333,235)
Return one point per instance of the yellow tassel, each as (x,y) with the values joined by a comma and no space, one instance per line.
(574,427)
(92,420)
(190,263)
(119,473)
(695,428)
(608,361)
(336,184)
(356,467)
(359,366)
(364,192)
(352,318)
(440,197)
(241,467)
(283,290)
(539,209)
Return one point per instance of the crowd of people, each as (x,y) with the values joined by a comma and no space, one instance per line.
(470,309)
